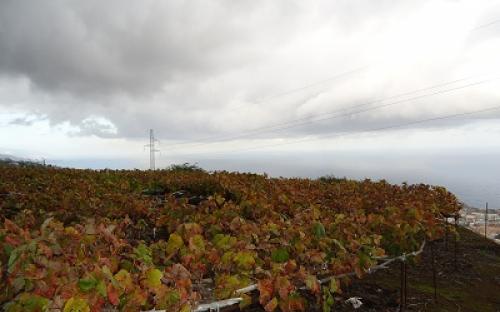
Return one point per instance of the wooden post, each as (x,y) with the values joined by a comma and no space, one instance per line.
(403,292)
(406,284)
(486,222)
(446,234)
(434,283)
(455,244)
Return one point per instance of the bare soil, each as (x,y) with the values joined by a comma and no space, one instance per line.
(468,282)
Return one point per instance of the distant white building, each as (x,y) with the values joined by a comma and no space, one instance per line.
(478,218)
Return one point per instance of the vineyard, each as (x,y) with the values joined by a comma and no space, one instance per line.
(81,240)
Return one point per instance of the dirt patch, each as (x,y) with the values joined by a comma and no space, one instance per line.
(467,279)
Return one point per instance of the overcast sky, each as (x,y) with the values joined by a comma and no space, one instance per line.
(402,90)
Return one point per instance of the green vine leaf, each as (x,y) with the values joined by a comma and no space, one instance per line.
(280,255)
(174,243)
(319,230)
(153,278)
(87,285)
(76,305)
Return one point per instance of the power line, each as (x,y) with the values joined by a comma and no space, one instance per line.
(309,120)
(335,77)
(485,25)
(293,121)
(349,72)
(378,129)
(314,84)
(408,123)
(349,114)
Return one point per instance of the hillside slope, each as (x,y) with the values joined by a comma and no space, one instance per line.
(473,285)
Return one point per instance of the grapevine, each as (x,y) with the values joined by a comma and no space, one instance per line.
(82,240)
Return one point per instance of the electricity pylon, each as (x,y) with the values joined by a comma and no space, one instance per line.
(152,149)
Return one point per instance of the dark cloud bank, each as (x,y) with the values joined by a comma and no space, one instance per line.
(180,66)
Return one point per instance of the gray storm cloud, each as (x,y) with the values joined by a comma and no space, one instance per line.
(186,68)
(87,47)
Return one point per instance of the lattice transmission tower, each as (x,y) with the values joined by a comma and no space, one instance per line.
(152,149)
